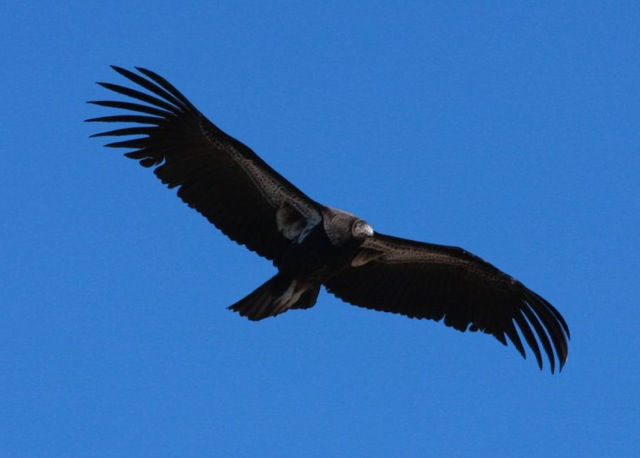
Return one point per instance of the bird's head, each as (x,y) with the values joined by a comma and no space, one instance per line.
(343,227)
(360,229)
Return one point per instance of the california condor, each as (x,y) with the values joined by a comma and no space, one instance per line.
(314,245)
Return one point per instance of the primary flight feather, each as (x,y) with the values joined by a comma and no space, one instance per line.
(312,244)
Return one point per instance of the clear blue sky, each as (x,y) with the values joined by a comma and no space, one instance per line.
(509,129)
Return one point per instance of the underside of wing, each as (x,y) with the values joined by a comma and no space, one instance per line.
(215,174)
(422,280)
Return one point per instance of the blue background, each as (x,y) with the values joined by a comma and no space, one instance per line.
(507,128)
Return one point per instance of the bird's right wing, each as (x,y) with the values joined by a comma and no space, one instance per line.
(423,280)
(217,175)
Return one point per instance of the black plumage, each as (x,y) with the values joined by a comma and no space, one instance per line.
(314,245)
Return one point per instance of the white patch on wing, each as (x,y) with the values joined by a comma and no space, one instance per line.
(364,257)
(289,221)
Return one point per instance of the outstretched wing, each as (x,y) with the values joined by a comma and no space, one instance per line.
(217,175)
(437,282)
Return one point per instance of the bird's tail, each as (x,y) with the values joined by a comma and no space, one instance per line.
(276,296)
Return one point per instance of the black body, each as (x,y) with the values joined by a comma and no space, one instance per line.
(314,245)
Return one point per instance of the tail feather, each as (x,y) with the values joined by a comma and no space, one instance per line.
(276,296)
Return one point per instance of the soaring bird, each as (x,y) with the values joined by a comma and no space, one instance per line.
(313,245)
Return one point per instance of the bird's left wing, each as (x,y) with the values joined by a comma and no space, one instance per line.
(217,175)
(423,280)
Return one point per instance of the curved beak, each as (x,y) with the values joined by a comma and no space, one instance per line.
(368,230)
